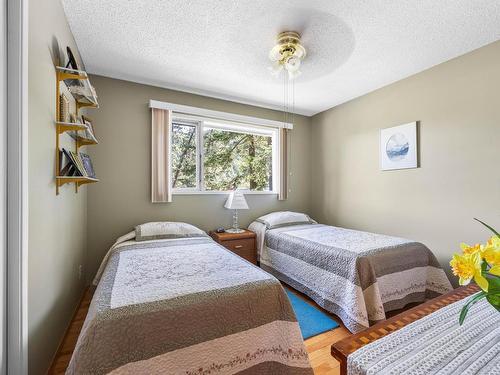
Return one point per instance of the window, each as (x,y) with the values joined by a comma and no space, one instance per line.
(212,156)
(184,164)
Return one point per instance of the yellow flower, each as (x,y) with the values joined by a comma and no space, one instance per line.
(463,268)
(468,267)
(491,254)
(495,270)
(477,248)
(494,242)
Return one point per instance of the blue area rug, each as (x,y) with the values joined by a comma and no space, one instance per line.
(312,321)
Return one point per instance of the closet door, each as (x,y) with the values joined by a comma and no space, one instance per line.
(14,232)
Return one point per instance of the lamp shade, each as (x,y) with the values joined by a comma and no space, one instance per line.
(236,201)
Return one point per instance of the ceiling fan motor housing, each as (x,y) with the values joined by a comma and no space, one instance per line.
(288,51)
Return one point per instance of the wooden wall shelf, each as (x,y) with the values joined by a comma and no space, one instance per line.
(83,92)
(75,131)
(83,141)
(63,127)
(77,180)
(78,84)
(81,180)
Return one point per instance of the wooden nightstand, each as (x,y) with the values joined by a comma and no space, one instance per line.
(242,244)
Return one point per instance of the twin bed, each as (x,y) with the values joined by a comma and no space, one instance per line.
(170,300)
(358,276)
(175,302)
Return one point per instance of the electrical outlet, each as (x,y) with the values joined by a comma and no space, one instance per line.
(80,271)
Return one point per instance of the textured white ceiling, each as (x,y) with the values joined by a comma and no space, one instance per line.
(219,47)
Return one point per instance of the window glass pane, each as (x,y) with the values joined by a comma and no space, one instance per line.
(183,155)
(235,160)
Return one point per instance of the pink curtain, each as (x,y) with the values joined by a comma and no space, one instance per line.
(161,187)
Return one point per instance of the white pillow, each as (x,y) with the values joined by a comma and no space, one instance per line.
(166,229)
(284,218)
(126,237)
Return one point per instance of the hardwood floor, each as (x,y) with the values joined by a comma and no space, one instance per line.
(63,356)
(318,347)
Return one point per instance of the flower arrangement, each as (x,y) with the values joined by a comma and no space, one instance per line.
(480,263)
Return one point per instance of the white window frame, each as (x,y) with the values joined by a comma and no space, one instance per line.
(203,122)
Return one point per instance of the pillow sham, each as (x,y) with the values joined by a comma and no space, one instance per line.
(284,218)
(166,229)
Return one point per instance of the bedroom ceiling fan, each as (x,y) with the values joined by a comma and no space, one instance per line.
(287,54)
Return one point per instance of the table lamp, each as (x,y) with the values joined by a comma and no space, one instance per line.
(236,201)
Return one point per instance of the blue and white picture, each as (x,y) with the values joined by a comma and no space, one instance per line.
(398,147)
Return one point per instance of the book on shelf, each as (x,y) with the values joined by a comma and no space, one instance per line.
(70,164)
(63,114)
(88,132)
(65,165)
(80,91)
(67,170)
(78,161)
(87,164)
(90,127)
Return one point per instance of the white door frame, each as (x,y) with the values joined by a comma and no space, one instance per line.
(3,182)
(17,186)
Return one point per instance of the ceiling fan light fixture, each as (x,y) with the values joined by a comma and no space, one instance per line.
(292,63)
(288,53)
(275,68)
(287,56)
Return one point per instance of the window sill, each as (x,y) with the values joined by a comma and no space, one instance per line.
(196,192)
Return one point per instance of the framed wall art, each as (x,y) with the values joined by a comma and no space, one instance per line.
(399,147)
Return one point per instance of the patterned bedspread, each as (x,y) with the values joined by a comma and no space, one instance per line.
(436,344)
(187,306)
(358,276)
